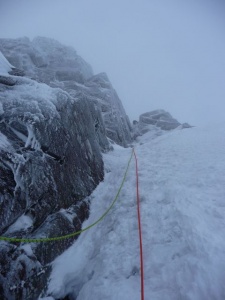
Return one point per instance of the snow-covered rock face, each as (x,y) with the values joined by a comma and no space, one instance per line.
(155,121)
(48,61)
(45,60)
(118,127)
(7,69)
(50,161)
(98,89)
(160,118)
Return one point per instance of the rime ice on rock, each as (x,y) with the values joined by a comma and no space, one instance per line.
(156,121)
(50,146)
(48,61)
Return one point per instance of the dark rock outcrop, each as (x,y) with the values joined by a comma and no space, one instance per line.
(50,162)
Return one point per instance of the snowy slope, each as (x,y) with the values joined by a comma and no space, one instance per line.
(182,188)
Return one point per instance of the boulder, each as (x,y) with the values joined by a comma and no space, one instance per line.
(159,118)
(156,121)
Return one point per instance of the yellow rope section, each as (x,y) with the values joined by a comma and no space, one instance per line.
(58,238)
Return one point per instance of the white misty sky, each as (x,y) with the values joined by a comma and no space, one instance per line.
(157,53)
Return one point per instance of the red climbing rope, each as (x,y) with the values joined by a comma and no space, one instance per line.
(139,228)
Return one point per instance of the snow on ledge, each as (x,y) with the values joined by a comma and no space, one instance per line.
(22,223)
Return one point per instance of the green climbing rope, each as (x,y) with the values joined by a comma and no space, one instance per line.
(58,238)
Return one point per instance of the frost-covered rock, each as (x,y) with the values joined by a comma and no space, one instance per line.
(118,127)
(54,123)
(159,118)
(50,161)
(156,120)
(48,61)
(45,60)
(99,90)
(7,69)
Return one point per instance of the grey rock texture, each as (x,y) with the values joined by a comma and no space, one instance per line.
(45,60)
(99,90)
(48,61)
(117,123)
(50,162)
(157,119)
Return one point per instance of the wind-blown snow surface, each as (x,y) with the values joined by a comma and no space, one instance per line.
(182,190)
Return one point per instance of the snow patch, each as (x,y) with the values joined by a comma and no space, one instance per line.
(19,135)
(22,223)
(4,143)
(27,248)
(31,139)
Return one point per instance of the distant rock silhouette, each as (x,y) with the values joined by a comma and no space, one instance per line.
(159,118)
